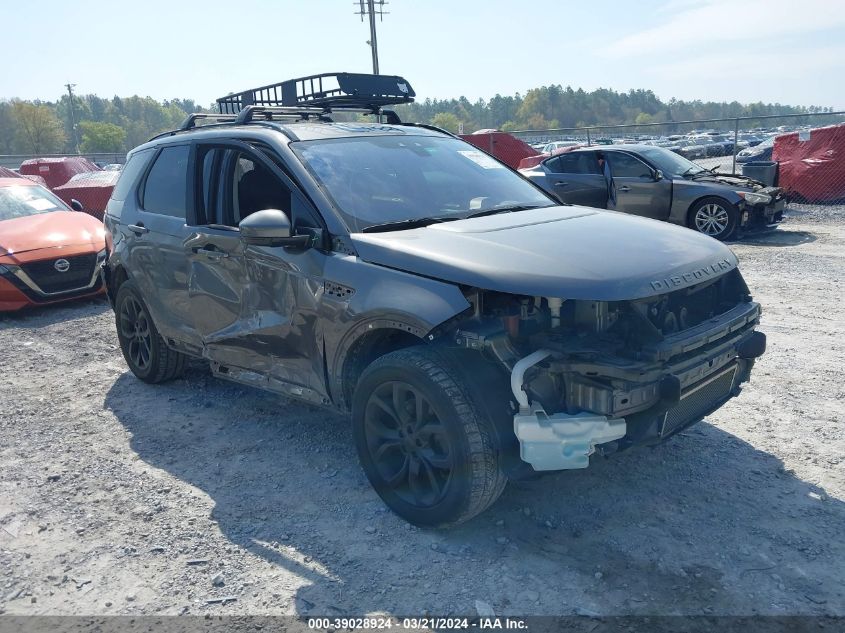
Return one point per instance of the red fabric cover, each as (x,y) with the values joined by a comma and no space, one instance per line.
(37,179)
(92,189)
(812,169)
(507,148)
(57,170)
(5,172)
(533,161)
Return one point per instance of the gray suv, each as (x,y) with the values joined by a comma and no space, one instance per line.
(655,182)
(475,330)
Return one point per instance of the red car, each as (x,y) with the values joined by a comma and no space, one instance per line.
(48,253)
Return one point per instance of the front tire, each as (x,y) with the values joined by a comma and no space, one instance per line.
(144,349)
(425,447)
(715,217)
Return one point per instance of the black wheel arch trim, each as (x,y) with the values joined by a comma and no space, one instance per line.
(383,324)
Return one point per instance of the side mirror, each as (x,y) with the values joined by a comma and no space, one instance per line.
(76,205)
(271,227)
(658,174)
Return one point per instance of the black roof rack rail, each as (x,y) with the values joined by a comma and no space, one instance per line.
(251,112)
(329,91)
(191,121)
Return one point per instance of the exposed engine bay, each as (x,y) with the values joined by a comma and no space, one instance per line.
(634,360)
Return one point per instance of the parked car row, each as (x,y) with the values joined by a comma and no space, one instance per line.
(759,151)
(694,145)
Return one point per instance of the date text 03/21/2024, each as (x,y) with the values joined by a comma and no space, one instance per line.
(483,623)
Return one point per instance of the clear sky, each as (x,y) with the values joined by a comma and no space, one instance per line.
(784,51)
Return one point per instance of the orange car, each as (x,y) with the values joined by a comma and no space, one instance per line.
(48,252)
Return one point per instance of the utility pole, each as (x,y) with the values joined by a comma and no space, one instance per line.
(368,7)
(70,88)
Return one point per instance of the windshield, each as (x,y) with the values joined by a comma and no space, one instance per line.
(669,162)
(376,180)
(21,200)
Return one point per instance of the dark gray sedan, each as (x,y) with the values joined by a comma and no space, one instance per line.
(657,183)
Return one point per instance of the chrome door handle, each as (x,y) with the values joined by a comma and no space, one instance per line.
(138,229)
(561,183)
(211,253)
(624,188)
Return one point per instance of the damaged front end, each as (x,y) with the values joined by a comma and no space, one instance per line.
(601,376)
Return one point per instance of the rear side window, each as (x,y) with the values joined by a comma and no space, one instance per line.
(129,176)
(165,191)
(574,163)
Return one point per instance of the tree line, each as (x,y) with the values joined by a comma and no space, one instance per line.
(551,107)
(102,125)
(120,123)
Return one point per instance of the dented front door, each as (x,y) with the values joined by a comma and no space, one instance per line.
(216,283)
(283,290)
(254,307)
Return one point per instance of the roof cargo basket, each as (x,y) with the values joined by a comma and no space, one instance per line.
(329,91)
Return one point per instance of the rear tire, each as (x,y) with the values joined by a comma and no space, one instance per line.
(428,451)
(715,217)
(144,349)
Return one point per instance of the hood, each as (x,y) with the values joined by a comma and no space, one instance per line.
(730,181)
(568,252)
(50,230)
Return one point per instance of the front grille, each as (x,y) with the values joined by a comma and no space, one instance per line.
(699,401)
(50,280)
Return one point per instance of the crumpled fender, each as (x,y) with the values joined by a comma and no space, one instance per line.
(359,298)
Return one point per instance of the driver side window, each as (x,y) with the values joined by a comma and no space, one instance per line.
(235,185)
(255,188)
(626,166)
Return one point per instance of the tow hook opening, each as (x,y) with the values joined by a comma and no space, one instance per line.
(752,347)
(559,441)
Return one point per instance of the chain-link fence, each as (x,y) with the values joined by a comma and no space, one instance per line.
(804,154)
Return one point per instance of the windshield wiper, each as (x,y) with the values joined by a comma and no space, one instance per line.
(707,172)
(415,223)
(507,209)
(401,225)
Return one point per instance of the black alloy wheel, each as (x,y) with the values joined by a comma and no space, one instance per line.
(144,349)
(425,441)
(408,443)
(135,328)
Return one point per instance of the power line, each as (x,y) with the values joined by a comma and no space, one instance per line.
(70,88)
(372,8)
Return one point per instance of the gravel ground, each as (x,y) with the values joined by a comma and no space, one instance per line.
(122,498)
